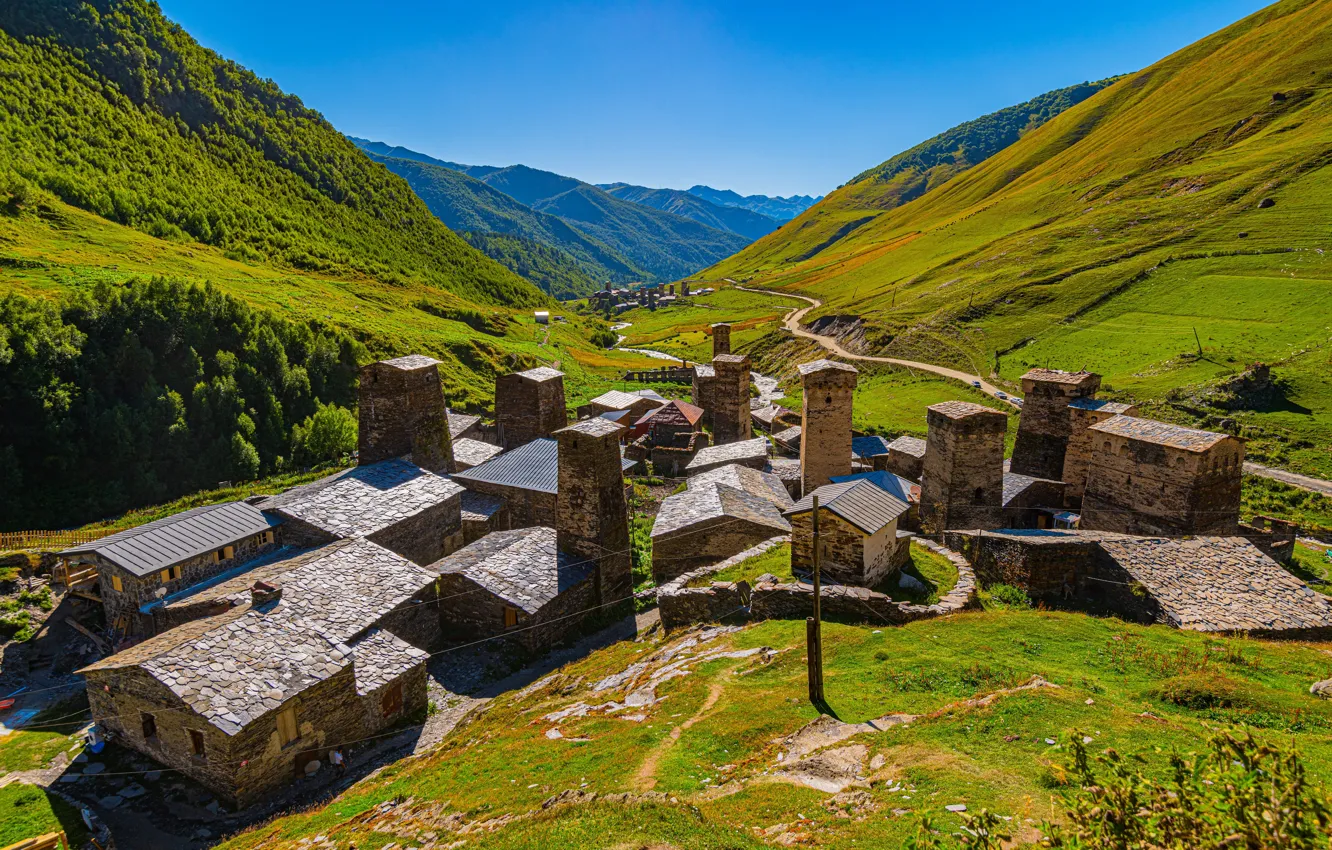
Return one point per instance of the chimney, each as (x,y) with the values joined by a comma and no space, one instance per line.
(721,339)
(529,405)
(591,516)
(263,593)
(402,413)
(825,422)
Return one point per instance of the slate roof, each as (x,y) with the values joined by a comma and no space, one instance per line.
(861,502)
(913,446)
(1100,404)
(1161,433)
(541,373)
(713,501)
(785,468)
(523,567)
(365,499)
(673,413)
(461,423)
(764,415)
(531,466)
(963,409)
(869,446)
(478,507)
(894,485)
(1015,483)
(765,485)
(729,453)
(789,437)
(381,657)
(1219,584)
(411,361)
(161,543)
(704,370)
(823,364)
(474,452)
(1057,376)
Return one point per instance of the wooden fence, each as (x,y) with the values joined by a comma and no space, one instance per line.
(48,539)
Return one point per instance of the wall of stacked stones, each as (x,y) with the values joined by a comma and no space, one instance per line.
(415,698)
(1041,566)
(426,537)
(843,546)
(680,605)
(900,463)
(572,613)
(962,474)
(417,620)
(526,508)
(525,409)
(1136,487)
(702,545)
(469,612)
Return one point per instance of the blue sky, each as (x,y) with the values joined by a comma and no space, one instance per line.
(773,97)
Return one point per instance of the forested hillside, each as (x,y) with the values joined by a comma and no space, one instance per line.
(661,245)
(571,264)
(114,109)
(738,220)
(1191,196)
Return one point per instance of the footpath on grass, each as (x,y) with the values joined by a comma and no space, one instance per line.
(792,323)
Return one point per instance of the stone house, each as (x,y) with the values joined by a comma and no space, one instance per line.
(1154,478)
(1031,502)
(526,479)
(897,487)
(906,457)
(394,503)
(672,459)
(1084,413)
(859,542)
(665,425)
(540,584)
(722,512)
(402,414)
(529,405)
(752,453)
(468,453)
(637,404)
(245,701)
(788,441)
(139,566)
(482,514)
(705,391)
(465,426)
(729,418)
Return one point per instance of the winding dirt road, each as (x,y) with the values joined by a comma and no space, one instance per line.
(792,323)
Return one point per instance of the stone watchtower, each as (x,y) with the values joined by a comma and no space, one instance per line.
(529,405)
(401,412)
(731,421)
(1044,425)
(825,422)
(591,515)
(1083,414)
(962,475)
(721,339)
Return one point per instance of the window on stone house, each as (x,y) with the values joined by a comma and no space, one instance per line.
(268,537)
(391,702)
(286,725)
(197,744)
(171,574)
(228,552)
(116,584)
(149,726)
(510,617)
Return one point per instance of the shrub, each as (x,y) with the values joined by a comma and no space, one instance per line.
(327,434)
(1202,691)
(37,598)
(1240,793)
(1009,596)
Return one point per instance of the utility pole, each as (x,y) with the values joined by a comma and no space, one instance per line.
(813,633)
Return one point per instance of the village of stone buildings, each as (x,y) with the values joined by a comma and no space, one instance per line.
(251,646)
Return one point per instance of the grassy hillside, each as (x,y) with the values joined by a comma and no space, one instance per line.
(737,220)
(710,765)
(466,204)
(116,110)
(1191,195)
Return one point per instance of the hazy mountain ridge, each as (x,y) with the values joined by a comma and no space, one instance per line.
(738,220)
(774,207)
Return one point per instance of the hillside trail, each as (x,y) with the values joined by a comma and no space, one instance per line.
(792,322)
(646,778)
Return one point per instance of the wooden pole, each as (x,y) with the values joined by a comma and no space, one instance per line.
(813,632)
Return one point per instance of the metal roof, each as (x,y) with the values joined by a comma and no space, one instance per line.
(862,503)
(531,466)
(164,542)
(869,446)
(895,485)
(673,412)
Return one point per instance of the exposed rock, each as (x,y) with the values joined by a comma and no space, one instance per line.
(1322,689)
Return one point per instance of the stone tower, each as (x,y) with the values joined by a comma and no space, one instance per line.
(591,515)
(962,476)
(825,422)
(730,414)
(401,412)
(529,405)
(1083,414)
(721,339)
(1045,422)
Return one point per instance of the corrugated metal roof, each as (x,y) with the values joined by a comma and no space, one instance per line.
(896,486)
(164,542)
(532,466)
(869,446)
(862,503)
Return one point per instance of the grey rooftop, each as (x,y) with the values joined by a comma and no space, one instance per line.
(460,423)
(964,410)
(823,365)
(531,466)
(365,499)
(381,657)
(410,362)
(913,446)
(1160,433)
(523,567)
(474,452)
(541,373)
(860,502)
(711,501)
(595,427)
(1058,376)
(1101,404)
(765,485)
(170,540)
(729,453)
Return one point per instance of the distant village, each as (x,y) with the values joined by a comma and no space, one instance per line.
(254,638)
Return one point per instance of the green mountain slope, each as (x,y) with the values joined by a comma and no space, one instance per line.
(777,208)
(466,204)
(118,111)
(738,220)
(1194,194)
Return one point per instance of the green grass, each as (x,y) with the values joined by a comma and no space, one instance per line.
(1265,497)
(27,811)
(684,329)
(776,561)
(1118,682)
(34,748)
(1312,567)
(931,569)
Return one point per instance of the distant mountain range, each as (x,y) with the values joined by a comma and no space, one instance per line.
(614,232)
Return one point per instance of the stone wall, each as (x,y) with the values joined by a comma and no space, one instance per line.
(721,339)
(670,460)
(415,700)
(705,395)
(1044,424)
(529,405)
(900,463)
(702,544)
(1021,511)
(1140,487)
(1078,456)
(427,536)
(845,548)
(401,411)
(470,613)
(139,590)
(1049,565)
(825,422)
(526,508)
(418,620)
(962,475)
(730,417)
